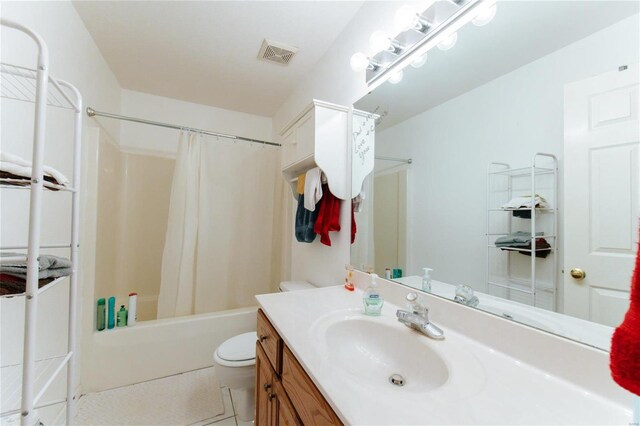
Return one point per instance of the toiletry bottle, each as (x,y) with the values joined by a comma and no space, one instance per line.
(132,317)
(111,319)
(387,273)
(122,316)
(348,282)
(372,300)
(100,314)
(426,279)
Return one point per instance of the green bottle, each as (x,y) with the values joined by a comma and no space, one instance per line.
(122,317)
(101,315)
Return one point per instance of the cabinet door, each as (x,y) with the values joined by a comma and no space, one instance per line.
(305,136)
(286,413)
(289,148)
(265,394)
(309,403)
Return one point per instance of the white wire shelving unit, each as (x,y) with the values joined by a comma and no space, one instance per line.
(500,186)
(32,378)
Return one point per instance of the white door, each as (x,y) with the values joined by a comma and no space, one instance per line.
(601,189)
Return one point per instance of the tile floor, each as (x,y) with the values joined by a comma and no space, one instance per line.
(228,418)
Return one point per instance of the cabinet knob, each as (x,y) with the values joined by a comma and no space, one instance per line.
(578,274)
(262,337)
(271,396)
(267,386)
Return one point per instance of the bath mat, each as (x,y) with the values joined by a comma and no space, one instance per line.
(182,399)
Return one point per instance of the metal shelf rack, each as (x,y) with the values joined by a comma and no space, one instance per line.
(500,180)
(36,86)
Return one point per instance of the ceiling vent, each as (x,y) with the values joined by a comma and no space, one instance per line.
(280,53)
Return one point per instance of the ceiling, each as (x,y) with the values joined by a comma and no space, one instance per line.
(206,51)
(520,33)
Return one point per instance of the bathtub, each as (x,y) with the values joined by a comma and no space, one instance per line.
(159,348)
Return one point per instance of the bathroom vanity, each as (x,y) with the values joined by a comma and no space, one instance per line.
(320,360)
(285,394)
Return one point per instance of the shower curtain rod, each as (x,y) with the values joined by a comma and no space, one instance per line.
(93,113)
(400,160)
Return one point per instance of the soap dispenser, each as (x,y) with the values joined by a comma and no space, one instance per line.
(426,279)
(372,300)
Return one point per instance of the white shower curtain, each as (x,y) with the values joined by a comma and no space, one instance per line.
(218,245)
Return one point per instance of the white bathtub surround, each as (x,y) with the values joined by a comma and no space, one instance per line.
(214,257)
(182,399)
(502,381)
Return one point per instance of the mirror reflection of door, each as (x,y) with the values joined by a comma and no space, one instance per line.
(601,151)
(390,204)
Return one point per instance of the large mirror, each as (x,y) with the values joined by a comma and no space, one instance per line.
(510,164)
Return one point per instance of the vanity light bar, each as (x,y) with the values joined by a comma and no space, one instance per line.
(416,41)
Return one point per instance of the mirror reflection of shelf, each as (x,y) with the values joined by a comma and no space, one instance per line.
(504,183)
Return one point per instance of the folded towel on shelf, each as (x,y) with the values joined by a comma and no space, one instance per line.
(526,203)
(20,167)
(514,239)
(17,180)
(48,266)
(10,284)
(312,188)
(543,248)
(305,221)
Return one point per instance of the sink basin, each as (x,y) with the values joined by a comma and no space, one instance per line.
(371,350)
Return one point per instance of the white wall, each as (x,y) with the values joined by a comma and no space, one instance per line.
(508,119)
(75,58)
(141,138)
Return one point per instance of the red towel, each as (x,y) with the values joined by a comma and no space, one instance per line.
(328,216)
(353,222)
(625,345)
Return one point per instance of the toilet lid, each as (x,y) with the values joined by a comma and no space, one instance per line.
(239,348)
(295,285)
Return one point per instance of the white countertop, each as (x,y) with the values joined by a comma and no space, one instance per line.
(484,386)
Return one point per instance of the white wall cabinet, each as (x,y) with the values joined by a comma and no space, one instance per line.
(318,137)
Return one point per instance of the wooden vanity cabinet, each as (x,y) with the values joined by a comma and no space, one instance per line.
(285,394)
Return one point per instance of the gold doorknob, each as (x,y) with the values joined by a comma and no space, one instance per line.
(578,274)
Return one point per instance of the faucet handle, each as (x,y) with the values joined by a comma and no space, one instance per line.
(415,306)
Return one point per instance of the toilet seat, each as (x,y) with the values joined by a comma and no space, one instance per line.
(238,351)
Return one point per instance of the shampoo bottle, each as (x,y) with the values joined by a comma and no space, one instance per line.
(111,319)
(426,279)
(101,315)
(122,316)
(372,300)
(133,309)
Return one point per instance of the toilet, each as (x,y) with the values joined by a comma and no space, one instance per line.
(235,361)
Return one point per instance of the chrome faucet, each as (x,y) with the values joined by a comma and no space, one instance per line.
(418,318)
(465,296)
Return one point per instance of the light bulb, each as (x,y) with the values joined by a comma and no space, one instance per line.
(448,42)
(359,62)
(485,16)
(419,61)
(395,77)
(405,18)
(379,41)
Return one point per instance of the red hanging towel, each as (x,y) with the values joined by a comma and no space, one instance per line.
(625,345)
(353,222)
(328,216)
